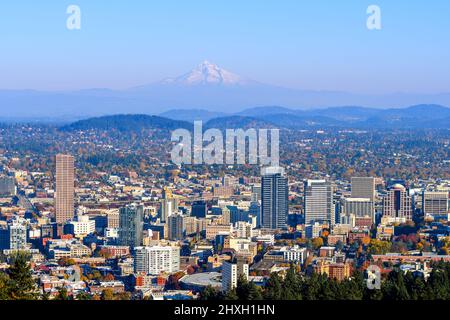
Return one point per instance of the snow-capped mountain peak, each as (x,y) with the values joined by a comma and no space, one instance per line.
(207,73)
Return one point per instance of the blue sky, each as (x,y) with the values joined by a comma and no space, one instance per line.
(320,45)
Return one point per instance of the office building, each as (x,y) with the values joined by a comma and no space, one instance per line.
(363,187)
(175,227)
(65,179)
(199,209)
(360,207)
(7,186)
(397,203)
(256,192)
(318,202)
(231,270)
(81,226)
(157,259)
(313,230)
(131,222)
(112,218)
(435,203)
(13,235)
(168,207)
(255,211)
(274,198)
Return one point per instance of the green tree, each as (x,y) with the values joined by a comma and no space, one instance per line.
(291,285)
(4,288)
(21,284)
(83,296)
(210,293)
(246,290)
(273,287)
(62,294)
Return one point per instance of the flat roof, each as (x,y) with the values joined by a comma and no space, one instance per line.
(204,279)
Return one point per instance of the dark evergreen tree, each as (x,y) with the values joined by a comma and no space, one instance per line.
(21,284)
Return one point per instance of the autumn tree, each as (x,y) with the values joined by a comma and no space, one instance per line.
(317,242)
(107,295)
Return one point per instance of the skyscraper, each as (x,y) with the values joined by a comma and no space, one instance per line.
(397,203)
(176,227)
(318,202)
(360,207)
(131,223)
(435,203)
(7,186)
(65,177)
(274,198)
(363,187)
(14,235)
(199,209)
(169,205)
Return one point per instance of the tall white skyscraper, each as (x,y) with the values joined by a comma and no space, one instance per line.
(318,202)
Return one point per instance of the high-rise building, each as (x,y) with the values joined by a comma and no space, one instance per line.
(274,198)
(255,211)
(363,187)
(175,227)
(168,207)
(199,209)
(435,203)
(131,222)
(7,186)
(157,259)
(65,177)
(256,192)
(397,203)
(360,207)
(14,235)
(231,270)
(112,218)
(318,202)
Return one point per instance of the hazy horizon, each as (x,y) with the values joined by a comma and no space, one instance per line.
(322,46)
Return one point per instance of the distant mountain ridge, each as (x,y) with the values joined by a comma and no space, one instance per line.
(127,122)
(206,86)
(192,115)
(419,116)
(414,117)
